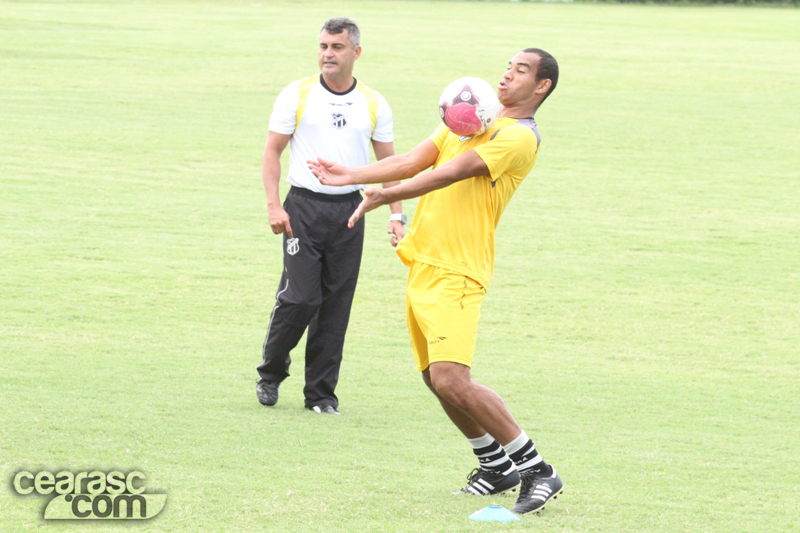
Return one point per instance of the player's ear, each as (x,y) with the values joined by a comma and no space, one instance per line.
(542,86)
(357,51)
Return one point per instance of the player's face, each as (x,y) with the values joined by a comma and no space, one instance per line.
(519,82)
(337,55)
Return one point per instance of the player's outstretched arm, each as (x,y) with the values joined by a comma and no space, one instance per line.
(467,165)
(396,167)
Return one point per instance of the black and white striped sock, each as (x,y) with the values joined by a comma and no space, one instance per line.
(523,452)
(491,455)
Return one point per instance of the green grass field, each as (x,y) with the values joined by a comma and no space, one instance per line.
(643,324)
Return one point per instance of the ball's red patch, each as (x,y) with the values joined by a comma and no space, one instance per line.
(462,119)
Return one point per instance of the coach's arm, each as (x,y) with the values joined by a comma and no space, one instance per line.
(271,175)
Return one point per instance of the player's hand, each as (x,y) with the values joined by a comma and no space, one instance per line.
(329,172)
(279,221)
(397,232)
(373,197)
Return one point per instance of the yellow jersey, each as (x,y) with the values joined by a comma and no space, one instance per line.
(453,227)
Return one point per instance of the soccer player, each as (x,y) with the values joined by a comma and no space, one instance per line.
(334,114)
(450,251)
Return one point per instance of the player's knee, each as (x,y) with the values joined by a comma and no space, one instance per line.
(450,385)
(426,377)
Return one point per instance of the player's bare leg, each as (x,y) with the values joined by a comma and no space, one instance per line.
(496,472)
(467,400)
(461,419)
(479,412)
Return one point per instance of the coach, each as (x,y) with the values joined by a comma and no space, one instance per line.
(330,115)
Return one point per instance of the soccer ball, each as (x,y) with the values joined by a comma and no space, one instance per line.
(469,106)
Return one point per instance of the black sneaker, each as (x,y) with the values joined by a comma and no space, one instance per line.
(536,491)
(324,410)
(483,482)
(267,392)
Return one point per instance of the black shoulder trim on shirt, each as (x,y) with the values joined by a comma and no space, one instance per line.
(322,81)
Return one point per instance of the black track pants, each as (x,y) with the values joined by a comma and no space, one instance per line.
(320,271)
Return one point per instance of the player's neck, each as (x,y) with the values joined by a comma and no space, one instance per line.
(340,84)
(519,111)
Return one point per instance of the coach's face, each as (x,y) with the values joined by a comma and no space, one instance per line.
(337,55)
(520,86)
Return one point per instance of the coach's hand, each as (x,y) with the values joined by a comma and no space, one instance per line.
(279,221)
(373,197)
(397,232)
(329,172)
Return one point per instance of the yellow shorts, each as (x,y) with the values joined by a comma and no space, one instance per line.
(443,309)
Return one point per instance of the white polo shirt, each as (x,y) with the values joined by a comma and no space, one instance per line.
(334,126)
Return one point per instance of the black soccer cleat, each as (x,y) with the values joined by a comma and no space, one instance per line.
(484,482)
(267,392)
(536,490)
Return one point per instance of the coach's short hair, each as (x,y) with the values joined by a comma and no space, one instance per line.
(338,25)
(548,68)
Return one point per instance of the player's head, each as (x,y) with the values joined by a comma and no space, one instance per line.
(339,48)
(547,69)
(531,76)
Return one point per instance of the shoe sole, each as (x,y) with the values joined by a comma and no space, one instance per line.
(539,510)
(509,489)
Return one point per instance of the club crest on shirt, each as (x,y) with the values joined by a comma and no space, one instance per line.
(338,121)
(339,115)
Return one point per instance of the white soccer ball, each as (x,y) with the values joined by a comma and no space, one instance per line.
(469,106)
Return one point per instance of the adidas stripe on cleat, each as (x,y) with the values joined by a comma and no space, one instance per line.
(483,482)
(536,490)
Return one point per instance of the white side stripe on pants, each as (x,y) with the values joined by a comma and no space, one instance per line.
(277,305)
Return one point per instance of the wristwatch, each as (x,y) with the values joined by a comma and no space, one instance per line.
(398,216)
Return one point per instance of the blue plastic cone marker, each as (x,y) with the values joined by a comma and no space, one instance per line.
(494,513)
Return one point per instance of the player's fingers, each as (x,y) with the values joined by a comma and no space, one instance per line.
(356,215)
(289,229)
